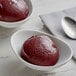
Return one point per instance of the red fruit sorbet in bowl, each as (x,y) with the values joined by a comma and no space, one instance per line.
(40,50)
(13,10)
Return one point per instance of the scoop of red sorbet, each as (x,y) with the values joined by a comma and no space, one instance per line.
(40,50)
(13,10)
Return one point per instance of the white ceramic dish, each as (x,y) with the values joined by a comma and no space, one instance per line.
(19,37)
(18,23)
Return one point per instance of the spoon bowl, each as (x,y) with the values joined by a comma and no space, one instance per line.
(69,27)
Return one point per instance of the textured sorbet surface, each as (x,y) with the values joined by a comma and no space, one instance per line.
(40,50)
(13,10)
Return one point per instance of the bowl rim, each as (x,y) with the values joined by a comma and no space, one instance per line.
(37,67)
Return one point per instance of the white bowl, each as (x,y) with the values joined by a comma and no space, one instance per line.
(19,37)
(18,23)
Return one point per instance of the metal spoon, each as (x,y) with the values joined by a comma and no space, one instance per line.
(69,27)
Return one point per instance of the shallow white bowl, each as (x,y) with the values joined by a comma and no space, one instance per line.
(19,37)
(18,23)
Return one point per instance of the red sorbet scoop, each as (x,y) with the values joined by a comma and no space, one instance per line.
(13,10)
(40,50)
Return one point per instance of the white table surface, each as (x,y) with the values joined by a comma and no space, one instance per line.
(9,64)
